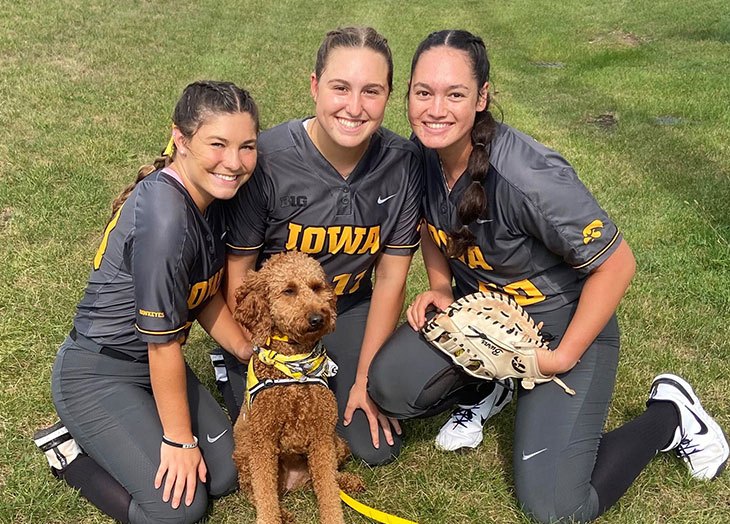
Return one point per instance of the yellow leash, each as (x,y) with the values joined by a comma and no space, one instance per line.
(374,514)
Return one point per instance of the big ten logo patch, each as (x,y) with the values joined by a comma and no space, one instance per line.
(591,231)
(202,291)
(333,239)
(293,201)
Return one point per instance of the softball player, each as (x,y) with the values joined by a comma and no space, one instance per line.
(120,384)
(347,191)
(504,212)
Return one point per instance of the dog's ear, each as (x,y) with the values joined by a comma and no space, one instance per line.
(252,307)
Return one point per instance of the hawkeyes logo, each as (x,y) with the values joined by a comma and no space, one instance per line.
(518,365)
(591,232)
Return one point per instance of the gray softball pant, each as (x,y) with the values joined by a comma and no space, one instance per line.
(108,407)
(556,435)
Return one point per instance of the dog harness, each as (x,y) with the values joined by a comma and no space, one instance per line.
(304,368)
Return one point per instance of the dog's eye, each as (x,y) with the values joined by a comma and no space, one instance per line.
(317,287)
(289,291)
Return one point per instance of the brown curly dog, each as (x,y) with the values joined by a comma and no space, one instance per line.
(288,306)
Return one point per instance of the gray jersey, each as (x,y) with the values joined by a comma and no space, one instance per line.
(296,200)
(159,262)
(542,232)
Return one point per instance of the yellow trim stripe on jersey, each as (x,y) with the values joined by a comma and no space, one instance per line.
(374,514)
(245,248)
(601,252)
(187,325)
(403,247)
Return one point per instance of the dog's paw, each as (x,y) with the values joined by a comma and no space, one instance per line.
(350,483)
(287,517)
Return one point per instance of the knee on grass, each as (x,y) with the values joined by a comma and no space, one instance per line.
(224,482)
(545,509)
(162,513)
(376,456)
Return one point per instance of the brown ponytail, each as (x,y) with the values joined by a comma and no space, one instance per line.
(199,101)
(159,163)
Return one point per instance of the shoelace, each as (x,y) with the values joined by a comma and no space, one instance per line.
(686,447)
(462,415)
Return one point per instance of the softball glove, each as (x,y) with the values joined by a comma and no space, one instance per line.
(491,337)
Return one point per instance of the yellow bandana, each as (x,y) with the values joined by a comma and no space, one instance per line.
(303,368)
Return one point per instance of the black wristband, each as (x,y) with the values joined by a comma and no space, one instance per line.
(174,444)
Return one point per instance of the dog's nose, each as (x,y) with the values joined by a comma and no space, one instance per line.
(315,320)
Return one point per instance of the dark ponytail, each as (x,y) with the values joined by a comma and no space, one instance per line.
(199,101)
(473,203)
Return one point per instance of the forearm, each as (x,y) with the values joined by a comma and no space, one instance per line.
(437,267)
(385,309)
(598,301)
(217,320)
(169,387)
(236,268)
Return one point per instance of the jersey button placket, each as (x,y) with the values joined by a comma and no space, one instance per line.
(344,205)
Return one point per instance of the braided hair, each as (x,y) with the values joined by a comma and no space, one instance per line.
(199,101)
(473,203)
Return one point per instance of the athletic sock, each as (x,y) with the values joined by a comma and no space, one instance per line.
(625,451)
(475,393)
(98,487)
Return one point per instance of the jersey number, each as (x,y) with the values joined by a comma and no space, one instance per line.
(345,281)
(102,248)
(524,292)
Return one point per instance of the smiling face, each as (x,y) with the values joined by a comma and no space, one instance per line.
(444,98)
(350,97)
(218,158)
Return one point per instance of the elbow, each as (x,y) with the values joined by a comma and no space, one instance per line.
(629,265)
(631,270)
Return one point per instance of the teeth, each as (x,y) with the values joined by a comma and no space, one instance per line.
(350,123)
(229,178)
(433,125)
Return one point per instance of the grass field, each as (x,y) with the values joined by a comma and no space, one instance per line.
(634,93)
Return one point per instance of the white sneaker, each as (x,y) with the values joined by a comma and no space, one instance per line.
(699,440)
(58,445)
(464,428)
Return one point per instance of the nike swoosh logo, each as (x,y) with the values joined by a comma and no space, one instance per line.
(703,427)
(381,200)
(528,457)
(482,221)
(213,439)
